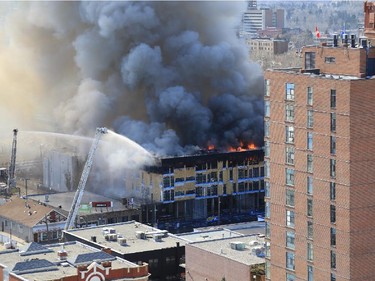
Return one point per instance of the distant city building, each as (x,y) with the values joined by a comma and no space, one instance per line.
(30,220)
(60,171)
(211,185)
(268,46)
(137,242)
(94,209)
(260,19)
(65,262)
(318,146)
(229,258)
(269,32)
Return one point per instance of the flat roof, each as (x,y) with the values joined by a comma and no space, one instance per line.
(207,235)
(65,199)
(243,228)
(129,231)
(297,71)
(251,244)
(46,264)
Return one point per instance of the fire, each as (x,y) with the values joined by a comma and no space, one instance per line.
(210,147)
(242,147)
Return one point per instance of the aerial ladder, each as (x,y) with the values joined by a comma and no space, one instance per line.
(82,182)
(12,165)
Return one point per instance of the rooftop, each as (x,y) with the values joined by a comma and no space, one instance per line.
(26,212)
(248,249)
(139,237)
(207,235)
(41,262)
(65,200)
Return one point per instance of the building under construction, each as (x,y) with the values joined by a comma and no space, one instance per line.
(208,187)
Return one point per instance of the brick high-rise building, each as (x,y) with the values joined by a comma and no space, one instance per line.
(319,171)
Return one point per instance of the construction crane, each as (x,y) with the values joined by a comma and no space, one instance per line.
(12,166)
(82,182)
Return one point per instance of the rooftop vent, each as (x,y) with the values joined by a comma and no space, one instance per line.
(158,237)
(122,241)
(239,246)
(140,234)
(62,254)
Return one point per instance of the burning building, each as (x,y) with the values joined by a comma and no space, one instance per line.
(211,186)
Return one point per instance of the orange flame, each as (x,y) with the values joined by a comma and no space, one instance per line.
(211,147)
(242,147)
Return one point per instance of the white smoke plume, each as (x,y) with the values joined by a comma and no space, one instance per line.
(171,76)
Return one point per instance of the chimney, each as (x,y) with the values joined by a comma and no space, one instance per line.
(335,41)
(107,250)
(62,254)
(352,40)
(345,39)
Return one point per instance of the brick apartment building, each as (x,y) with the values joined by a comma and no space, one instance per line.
(319,172)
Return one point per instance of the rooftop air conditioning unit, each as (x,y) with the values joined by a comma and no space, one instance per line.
(158,237)
(122,241)
(239,246)
(140,234)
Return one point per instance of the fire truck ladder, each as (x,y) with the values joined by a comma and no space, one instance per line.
(12,165)
(82,182)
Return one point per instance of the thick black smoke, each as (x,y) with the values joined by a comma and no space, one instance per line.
(172,76)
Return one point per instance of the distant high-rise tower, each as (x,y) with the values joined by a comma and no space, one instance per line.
(319,176)
(252,5)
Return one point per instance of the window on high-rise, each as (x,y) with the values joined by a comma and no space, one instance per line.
(290,218)
(310,166)
(310,252)
(289,112)
(333,122)
(309,185)
(290,277)
(289,91)
(333,98)
(332,168)
(310,230)
(289,155)
(290,197)
(309,140)
(333,213)
(267,87)
(333,236)
(332,191)
(290,257)
(289,175)
(333,259)
(290,237)
(267,108)
(333,145)
(309,207)
(310,273)
(289,134)
(310,119)
(310,95)
(309,60)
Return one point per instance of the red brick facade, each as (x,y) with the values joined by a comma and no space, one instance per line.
(355,173)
